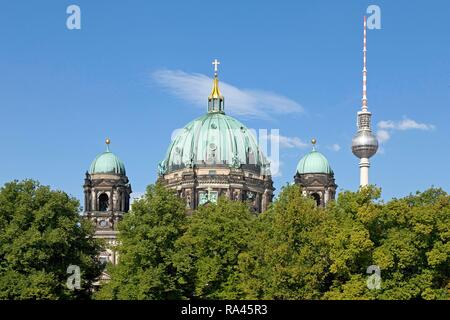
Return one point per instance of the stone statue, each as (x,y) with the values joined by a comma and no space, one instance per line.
(236,163)
(161,168)
(190,164)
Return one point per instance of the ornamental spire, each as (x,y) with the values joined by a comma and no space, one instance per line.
(215,99)
(313,142)
(107,141)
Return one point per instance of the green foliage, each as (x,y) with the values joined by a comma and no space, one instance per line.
(411,248)
(207,254)
(295,250)
(300,251)
(41,234)
(285,252)
(413,251)
(147,236)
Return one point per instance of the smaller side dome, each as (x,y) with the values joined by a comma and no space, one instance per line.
(314,162)
(107,162)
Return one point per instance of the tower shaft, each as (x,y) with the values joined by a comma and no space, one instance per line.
(364,166)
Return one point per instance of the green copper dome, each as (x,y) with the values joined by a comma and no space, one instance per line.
(213,138)
(314,162)
(107,162)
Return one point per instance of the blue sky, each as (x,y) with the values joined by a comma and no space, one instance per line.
(130,74)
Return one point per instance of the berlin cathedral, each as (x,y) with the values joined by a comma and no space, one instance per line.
(214,155)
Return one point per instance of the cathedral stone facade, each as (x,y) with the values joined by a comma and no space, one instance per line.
(203,183)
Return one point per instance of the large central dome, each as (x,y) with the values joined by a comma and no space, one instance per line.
(214,138)
(216,156)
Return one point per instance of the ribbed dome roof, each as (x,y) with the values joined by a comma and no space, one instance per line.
(314,162)
(107,162)
(214,138)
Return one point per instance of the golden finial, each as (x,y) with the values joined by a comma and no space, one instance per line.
(215,92)
(107,141)
(313,141)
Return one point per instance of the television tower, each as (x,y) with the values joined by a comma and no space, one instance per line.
(364,143)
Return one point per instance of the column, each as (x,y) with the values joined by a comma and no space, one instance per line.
(364,165)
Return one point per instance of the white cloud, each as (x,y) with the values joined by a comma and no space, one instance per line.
(278,142)
(386,127)
(284,141)
(195,88)
(275,166)
(386,124)
(405,124)
(335,147)
(292,142)
(383,135)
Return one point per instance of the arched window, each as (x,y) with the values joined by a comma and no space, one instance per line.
(316,197)
(103,202)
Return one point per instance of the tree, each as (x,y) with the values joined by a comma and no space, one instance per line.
(411,247)
(207,254)
(352,245)
(299,249)
(414,251)
(147,239)
(41,235)
(295,250)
